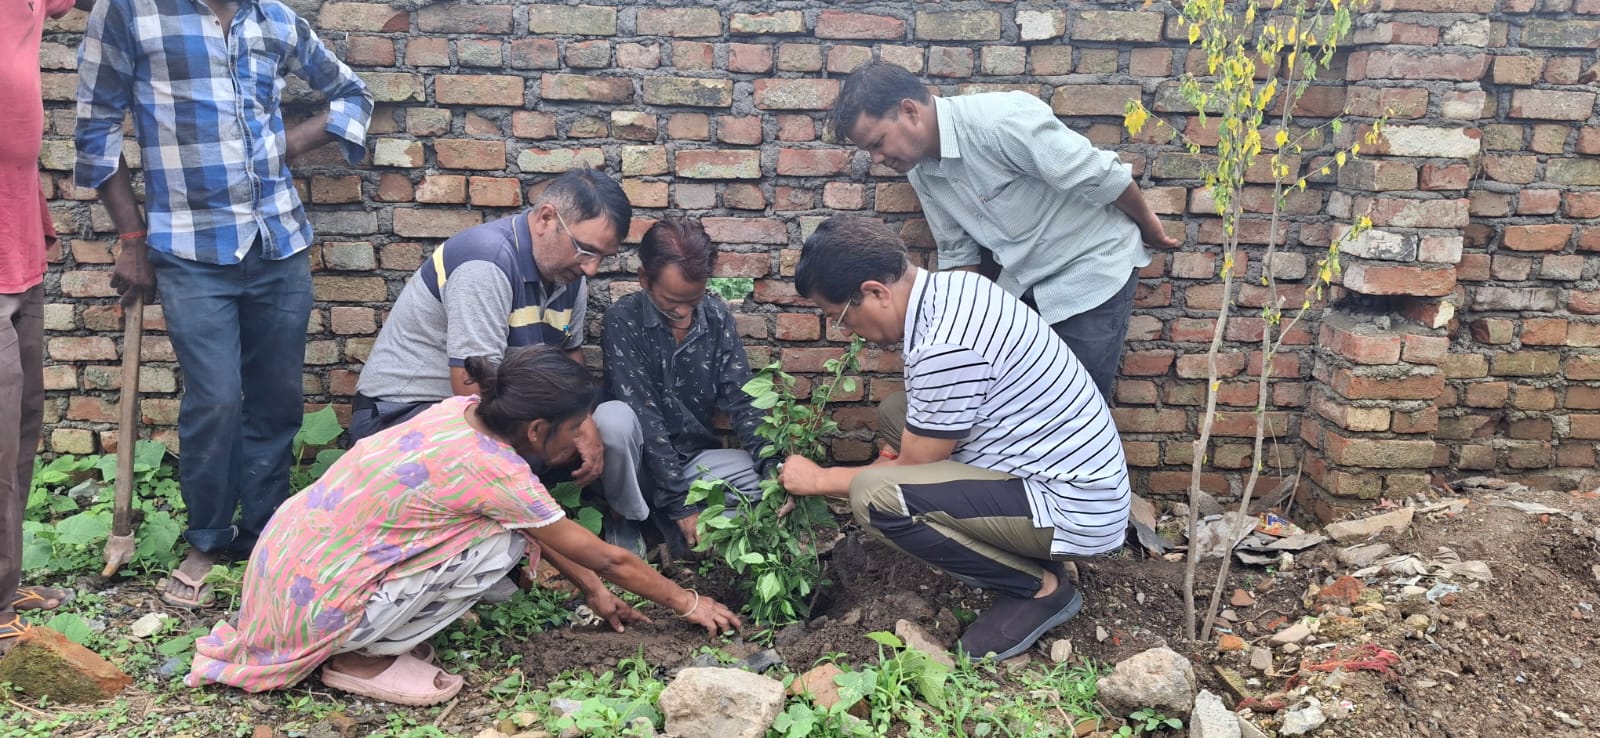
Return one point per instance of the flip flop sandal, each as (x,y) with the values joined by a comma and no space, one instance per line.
(38,598)
(13,630)
(407,681)
(202,591)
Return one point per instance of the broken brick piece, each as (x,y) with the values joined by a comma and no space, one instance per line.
(45,663)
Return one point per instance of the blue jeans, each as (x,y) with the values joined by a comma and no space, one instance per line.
(240,335)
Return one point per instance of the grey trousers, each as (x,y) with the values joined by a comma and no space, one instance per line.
(409,610)
(624,441)
(21,416)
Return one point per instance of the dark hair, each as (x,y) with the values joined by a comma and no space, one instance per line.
(530,383)
(588,193)
(845,251)
(876,89)
(678,241)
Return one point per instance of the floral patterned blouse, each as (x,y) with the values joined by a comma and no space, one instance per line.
(398,503)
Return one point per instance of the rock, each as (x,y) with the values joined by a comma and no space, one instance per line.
(563,706)
(1242,598)
(1159,678)
(1303,719)
(916,638)
(1100,634)
(1248,729)
(1292,634)
(1362,555)
(1285,561)
(721,702)
(491,733)
(852,617)
(1417,621)
(1345,590)
(1061,650)
(1230,642)
(45,663)
(342,724)
(1350,531)
(642,727)
(1211,718)
(524,719)
(147,626)
(1261,659)
(1291,648)
(819,685)
(263,731)
(761,661)
(1229,615)
(1413,592)
(535,734)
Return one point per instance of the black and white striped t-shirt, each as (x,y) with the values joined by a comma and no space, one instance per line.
(987,371)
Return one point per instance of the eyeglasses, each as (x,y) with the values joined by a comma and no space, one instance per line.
(838,323)
(584,253)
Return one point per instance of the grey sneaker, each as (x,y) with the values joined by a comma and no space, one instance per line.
(1015,623)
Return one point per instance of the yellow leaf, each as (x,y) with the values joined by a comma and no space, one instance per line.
(1325,170)
(1135,119)
(1282,138)
(1339,158)
(1194,34)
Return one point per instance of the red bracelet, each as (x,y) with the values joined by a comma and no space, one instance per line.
(130,236)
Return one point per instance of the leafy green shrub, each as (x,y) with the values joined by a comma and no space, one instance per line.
(776,557)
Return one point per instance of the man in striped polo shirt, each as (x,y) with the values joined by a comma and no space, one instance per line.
(1008,458)
(998,172)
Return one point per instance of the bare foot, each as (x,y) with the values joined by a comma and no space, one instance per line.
(187,590)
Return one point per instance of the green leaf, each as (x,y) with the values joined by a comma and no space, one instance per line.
(72,626)
(590,519)
(768,587)
(753,558)
(177,646)
(157,539)
(36,550)
(764,402)
(147,455)
(883,638)
(319,428)
(84,528)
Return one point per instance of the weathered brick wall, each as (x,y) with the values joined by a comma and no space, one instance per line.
(1459,339)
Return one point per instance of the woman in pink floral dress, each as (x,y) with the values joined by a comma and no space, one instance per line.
(407,530)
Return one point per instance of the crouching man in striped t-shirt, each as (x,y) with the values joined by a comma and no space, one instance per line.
(1008,459)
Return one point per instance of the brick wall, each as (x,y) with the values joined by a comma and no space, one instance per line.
(1462,339)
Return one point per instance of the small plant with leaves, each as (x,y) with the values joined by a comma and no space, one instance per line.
(312,447)
(68,513)
(1147,720)
(776,556)
(1261,57)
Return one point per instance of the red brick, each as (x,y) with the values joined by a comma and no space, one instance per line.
(432,223)
(1176,482)
(75,674)
(374,51)
(796,94)
(690,126)
(838,24)
(745,230)
(460,153)
(796,128)
(742,196)
(1153,363)
(750,58)
(896,197)
(798,327)
(479,89)
(1544,332)
(642,194)
(1372,453)
(715,164)
(585,87)
(538,53)
(680,22)
(1550,237)
(1418,385)
(1358,348)
(1425,349)
(1197,366)
(1150,420)
(1386,279)
(372,17)
(325,189)
(1425,420)
(1417,64)
(785,197)
(442,189)
(495,192)
(813,162)
(461,19)
(739,130)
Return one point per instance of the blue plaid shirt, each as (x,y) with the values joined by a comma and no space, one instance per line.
(206,110)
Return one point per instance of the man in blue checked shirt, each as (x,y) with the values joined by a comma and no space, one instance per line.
(223,234)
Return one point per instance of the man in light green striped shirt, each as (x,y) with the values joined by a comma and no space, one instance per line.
(998,171)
